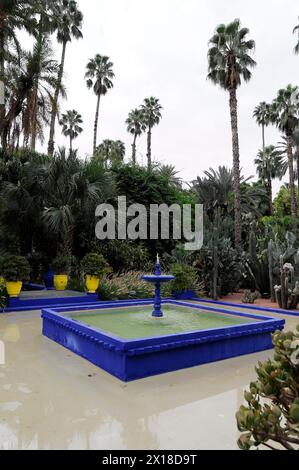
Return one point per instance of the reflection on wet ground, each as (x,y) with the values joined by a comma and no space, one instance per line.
(53,399)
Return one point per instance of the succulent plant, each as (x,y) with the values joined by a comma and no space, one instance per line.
(287,293)
(249,297)
(271,415)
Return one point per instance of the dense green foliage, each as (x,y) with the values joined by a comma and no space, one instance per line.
(15,268)
(94,264)
(185,277)
(271,415)
(125,286)
(53,197)
(61,265)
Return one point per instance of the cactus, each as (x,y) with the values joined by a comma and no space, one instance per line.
(287,294)
(249,297)
(271,247)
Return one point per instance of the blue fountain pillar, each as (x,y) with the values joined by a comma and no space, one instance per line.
(157,312)
(157,279)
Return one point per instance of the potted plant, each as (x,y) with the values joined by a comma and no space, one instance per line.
(16,269)
(93,266)
(61,266)
(185,284)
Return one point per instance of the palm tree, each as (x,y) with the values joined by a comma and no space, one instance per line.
(283,148)
(99,75)
(135,126)
(69,23)
(39,100)
(68,191)
(229,61)
(151,109)
(262,116)
(70,122)
(111,152)
(14,14)
(270,165)
(296,144)
(215,192)
(170,174)
(296,30)
(284,113)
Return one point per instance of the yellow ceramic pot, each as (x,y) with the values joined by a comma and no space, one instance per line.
(92,283)
(60,281)
(14,288)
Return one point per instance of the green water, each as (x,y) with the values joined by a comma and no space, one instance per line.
(137,322)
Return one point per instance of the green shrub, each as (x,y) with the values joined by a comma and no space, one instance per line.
(185,277)
(126,286)
(124,255)
(272,412)
(94,264)
(15,268)
(61,265)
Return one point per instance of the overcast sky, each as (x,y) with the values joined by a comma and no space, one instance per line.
(159,48)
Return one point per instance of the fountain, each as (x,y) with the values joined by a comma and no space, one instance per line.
(122,338)
(157,278)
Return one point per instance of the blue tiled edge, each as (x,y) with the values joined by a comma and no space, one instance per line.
(248,306)
(144,357)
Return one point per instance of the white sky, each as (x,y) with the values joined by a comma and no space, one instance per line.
(159,47)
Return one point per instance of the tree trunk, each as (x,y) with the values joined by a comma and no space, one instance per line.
(2,71)
(298,168)
(95,132)
(134,150)
(270,194)
(55,101)
(149,148)
(236,164)
(263,133)
(71,145)
(34,118)
(292,180)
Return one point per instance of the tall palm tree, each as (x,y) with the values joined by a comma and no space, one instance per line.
(296,30)
(284,113)
(152,115)
(270,165)
(14,15)
(135,126)
(44,84)
(99,75)
(296,144)
(69,23)
(283,148)
(262,116)
(70,122)
(230,61)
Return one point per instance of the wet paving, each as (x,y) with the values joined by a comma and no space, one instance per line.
(49,294)
(52,399)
